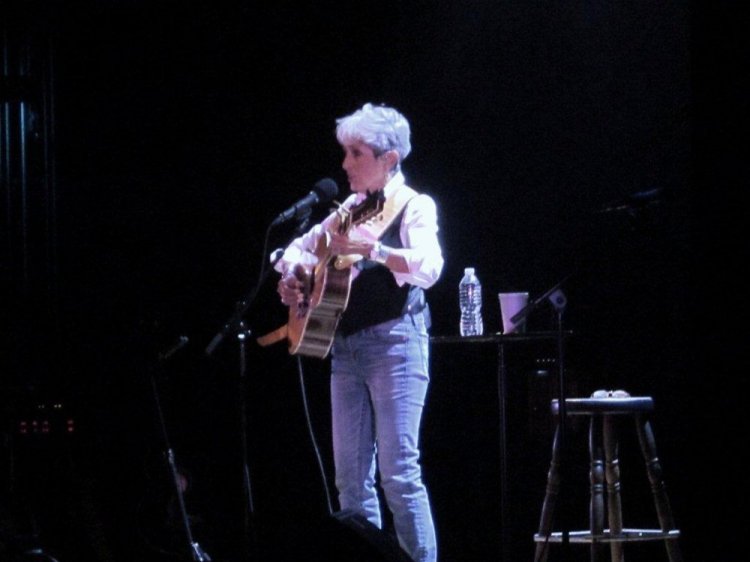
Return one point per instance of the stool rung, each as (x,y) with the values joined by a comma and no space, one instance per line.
(627,535)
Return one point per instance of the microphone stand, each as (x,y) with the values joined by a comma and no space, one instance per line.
(236,326)
(559,301)
(196,552)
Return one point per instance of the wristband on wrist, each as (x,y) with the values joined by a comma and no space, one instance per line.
(379,253)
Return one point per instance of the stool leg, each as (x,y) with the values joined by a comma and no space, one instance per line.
(614,504)
(550,498)
(596,475)
(658,487)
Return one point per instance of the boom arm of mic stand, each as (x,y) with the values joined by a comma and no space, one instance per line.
(234,322)
(243,305)
(522,314)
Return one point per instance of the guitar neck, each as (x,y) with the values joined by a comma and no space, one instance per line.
(369,207)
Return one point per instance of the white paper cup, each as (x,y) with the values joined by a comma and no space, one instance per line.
(510,305)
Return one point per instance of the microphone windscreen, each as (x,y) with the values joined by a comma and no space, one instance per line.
(326,189)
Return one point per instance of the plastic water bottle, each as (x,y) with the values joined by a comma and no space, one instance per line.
(470,301)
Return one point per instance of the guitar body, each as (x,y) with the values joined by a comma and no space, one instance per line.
(312,323)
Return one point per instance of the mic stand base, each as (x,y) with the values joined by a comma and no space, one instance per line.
(199,554)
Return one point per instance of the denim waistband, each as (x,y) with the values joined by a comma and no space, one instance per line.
(416,303)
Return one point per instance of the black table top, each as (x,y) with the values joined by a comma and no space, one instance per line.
(499,337)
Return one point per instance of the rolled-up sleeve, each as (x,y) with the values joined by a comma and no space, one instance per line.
(419,235)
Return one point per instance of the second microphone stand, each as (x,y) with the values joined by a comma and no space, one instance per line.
(559,301)
(196,552)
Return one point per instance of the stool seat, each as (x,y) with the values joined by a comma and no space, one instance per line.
(626,535)
(601,408)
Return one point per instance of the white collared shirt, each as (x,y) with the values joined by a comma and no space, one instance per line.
(418,234)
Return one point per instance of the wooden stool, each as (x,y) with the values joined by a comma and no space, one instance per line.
(603,451)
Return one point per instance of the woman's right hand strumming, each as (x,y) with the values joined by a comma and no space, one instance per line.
(291,285)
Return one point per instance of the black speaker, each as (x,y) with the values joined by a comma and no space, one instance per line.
(371,543)
(343,536)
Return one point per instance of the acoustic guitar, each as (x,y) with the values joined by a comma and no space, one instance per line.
(312,322)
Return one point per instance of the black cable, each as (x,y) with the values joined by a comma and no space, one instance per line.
(314,441)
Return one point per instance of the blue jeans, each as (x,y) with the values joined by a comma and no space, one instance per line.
(379,382)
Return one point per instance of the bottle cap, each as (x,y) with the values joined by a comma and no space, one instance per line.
(469,271)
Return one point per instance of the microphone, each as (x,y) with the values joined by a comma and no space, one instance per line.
(636,201)
(166,354)
(323,191)
(276,255)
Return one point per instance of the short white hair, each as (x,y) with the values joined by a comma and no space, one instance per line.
(379,127)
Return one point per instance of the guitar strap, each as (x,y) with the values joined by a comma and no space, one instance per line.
(375,227)
(391,209)
(277,335)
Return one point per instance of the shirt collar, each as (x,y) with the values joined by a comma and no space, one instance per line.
(393,184)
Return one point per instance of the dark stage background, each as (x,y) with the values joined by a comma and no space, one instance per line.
(155,144)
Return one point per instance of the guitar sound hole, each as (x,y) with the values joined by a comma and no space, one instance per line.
(302,308)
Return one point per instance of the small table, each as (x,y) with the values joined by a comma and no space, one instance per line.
(501,340)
